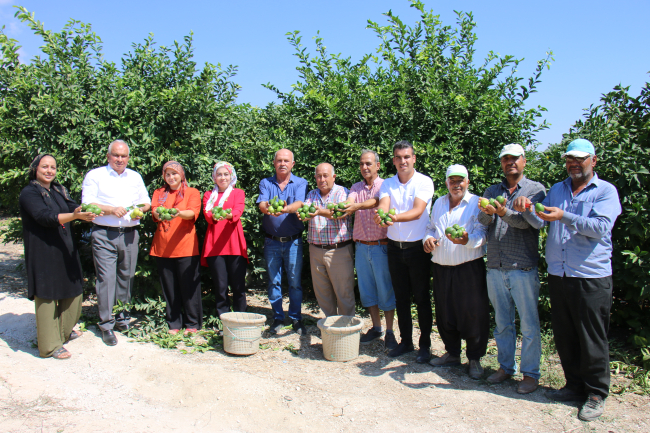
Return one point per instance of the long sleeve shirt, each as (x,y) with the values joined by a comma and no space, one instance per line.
(580,243)
(512,243)
(465,215)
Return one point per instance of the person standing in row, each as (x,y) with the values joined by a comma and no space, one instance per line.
(224,248)
(115,237)
(459,285)
(410,194)
(581,212)
(371,252)
(512,278)
(176,249)
(53,268)
(330,246)
(283,243)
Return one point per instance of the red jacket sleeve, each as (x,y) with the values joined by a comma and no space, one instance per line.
(238,205)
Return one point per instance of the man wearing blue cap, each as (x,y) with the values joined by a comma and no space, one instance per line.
(512,278)
(581,212)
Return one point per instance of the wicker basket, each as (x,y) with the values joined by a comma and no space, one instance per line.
(340,336)
(242,332)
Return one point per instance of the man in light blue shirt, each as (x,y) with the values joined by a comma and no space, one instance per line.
(581,212)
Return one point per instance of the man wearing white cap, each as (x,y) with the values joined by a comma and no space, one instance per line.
(581,212)
(459,288)
(512,278)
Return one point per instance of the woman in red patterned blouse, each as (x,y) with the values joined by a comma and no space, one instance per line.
(224,249)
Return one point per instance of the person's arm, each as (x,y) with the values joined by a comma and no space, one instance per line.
(263,198)
(32,201)
(239,204)
(431,236)
(419,206)
(207,214)
(143,196)
(517,219)
(193,205)
(486,217)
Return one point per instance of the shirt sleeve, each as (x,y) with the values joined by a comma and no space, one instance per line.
(431,230)
(599,219)
(478,235)
(143,195)
(32,201)
(193,202)
(238,206)
(89,189)
(302,190)
(207,214)
(484,218)
(517,219)
(425,190)
(264,192)
(384,189)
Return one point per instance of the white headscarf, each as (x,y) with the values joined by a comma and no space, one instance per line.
(215,192)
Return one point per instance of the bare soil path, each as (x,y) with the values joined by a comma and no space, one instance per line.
(288,386)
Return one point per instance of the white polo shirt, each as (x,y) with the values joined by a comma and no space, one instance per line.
(104,186)
(402,196)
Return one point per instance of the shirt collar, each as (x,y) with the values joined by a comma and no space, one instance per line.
(594,180)
(520,184)
(466,198)
(275,178)
(112,172)
(374,183)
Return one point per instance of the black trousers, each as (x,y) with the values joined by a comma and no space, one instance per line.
(580,317)
(462,307)
(181,283)
(410,273)
(228,271)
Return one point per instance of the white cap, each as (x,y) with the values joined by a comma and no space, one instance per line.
(456,170)
(512,149)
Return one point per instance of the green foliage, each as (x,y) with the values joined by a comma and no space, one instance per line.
(619,128)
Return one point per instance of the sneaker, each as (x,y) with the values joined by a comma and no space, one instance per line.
(593,408)
(276,326)
(299,327)
(565,394)
(371,336)
(390,342)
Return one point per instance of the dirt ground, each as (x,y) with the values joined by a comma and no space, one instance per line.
(288,386)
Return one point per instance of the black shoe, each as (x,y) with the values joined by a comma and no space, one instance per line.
(299,327)
(424,355)
(390,342)
(276,326)
(401,349)
(370,336)
(565,394)
(109,337)
(121,327)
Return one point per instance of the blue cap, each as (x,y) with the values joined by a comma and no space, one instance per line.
(579,148)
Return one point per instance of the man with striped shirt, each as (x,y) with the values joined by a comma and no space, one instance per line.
(370,258)
(512,278)
(330,246)
(459,288)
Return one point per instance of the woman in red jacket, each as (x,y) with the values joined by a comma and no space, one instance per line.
(224,249)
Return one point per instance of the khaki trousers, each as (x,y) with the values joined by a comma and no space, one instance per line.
(55,319)
(332,272)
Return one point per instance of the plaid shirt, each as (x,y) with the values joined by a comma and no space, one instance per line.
(324,231)
(365,228)
(512,241)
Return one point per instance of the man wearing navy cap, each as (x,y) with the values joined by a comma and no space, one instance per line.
(581,212)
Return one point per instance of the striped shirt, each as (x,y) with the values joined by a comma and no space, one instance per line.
(324,231)
(512,242)
(365,228)
(465,215)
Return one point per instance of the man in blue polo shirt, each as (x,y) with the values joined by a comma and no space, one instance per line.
(283,243)
(581,212)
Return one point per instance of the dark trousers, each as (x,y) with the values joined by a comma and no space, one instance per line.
(462,307)
(580,316)
(181,284)
(410,273)
(228,271)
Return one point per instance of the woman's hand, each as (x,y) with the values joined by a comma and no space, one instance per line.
(78,214)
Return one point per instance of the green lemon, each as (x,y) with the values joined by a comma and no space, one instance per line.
(448,230)
(501,200)
(539,207)
(392,211)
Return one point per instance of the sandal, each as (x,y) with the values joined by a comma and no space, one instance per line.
(61,353)
(74,335)
(173,331)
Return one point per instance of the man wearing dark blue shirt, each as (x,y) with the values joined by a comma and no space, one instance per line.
(283,243)
(581,212)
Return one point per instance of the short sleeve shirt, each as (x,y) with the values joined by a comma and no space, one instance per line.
(285,224)
(365,228)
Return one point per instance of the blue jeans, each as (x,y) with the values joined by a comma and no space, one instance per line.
(284,256)
(507,289)
(375,286)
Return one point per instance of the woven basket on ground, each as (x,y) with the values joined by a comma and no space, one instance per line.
(242,332)
(340,335)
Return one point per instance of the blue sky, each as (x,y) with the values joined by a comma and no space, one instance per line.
(596,44)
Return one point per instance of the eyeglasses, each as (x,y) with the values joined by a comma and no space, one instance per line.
(578,159)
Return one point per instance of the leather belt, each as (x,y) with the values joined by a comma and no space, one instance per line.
(379,242)
(284,238)
(117,229)
(334,246)
(404,245)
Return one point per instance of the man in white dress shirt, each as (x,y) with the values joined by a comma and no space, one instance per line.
(114,238)
(410,194)
(459,281)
